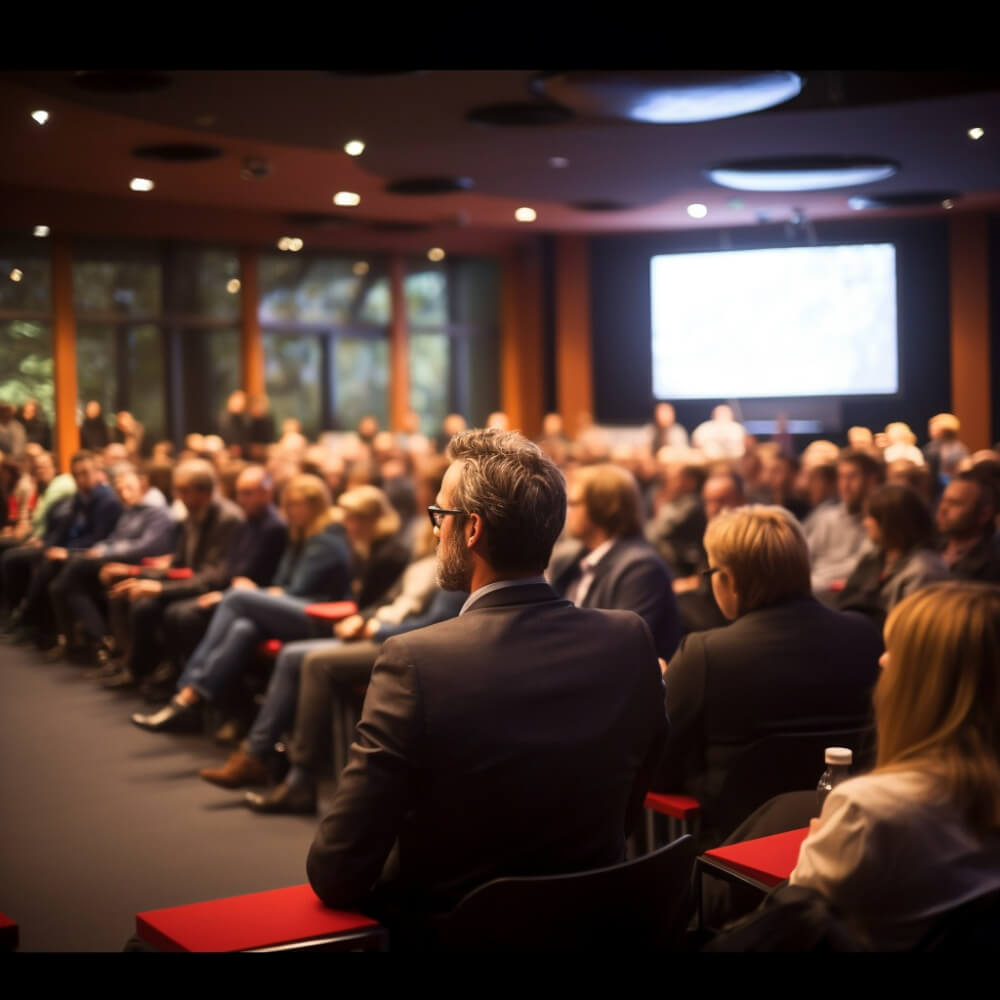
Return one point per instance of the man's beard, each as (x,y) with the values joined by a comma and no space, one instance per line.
(454,565)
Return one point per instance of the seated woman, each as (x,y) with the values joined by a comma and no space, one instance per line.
(316,567)
(785,664)
(895,850)
(373,529)
(417,601)
(901,529)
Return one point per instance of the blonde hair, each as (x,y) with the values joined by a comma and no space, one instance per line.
(315,492)
(764,551)
(937,703)
(372,504)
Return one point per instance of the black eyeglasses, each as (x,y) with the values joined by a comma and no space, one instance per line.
(437,514)
(710,572)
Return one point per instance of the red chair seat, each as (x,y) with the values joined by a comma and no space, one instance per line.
(293,916)
(9,933)
(681,807)
(270,647)
(333,611)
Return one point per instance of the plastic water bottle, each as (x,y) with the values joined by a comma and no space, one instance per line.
(838,767)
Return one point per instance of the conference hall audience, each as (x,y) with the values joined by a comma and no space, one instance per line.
(944,450)
(966,522)
(37,429)
(676,528)
(787,663)
(902,557)
(836,533)
(199,563)
(613,566)
(94,432)
(13,438)
(92,514)
(665,432)
(144,529)
(721,436)
(316,567)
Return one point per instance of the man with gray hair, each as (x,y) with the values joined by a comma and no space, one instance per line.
(476,732)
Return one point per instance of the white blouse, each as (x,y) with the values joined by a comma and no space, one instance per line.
(893,858)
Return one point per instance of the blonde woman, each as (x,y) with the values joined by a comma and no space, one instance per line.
(316,566)
(896,849)
(373,530)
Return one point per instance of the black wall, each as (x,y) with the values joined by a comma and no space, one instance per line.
(622,337)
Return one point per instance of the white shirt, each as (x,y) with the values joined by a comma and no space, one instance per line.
(894,856)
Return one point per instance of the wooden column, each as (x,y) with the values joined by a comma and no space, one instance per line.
(66,439)
(970,328)
(573,353)
(251,342)
(399,345)
(522,357)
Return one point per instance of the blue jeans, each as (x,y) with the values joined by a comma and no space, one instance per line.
(242,620)
(277,714)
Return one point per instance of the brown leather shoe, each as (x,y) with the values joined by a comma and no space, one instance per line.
(242,768)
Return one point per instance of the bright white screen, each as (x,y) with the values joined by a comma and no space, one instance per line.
(797,321)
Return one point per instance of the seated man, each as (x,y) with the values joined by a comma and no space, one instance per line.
(836,532)
(787,663)
(203,546)
(92,516)
(144,529)
(965,518)
(614,566)
(675,530)
(515,739)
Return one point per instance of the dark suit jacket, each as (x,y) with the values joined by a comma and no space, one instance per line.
(211,555)
(631,577)
(792,667)
(516,739)
(981,562)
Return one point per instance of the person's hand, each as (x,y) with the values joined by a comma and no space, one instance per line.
(144,588)
(685,584)
(275,591)
(210,599)
(663,667)
(94,551)
(114,571)
(56,552)
(243,583)
(34,543)
(349,628)
(122,587)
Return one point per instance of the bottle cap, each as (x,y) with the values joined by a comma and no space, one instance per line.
(839,755)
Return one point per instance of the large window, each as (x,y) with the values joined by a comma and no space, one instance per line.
(451,311)
(325,322)
(26,325)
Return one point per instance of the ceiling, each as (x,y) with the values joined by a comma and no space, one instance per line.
(292,125)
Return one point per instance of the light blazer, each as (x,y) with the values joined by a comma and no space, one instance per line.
(516,739)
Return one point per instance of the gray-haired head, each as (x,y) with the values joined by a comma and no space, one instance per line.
(518,492)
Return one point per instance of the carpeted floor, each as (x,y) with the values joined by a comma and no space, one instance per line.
(100,820)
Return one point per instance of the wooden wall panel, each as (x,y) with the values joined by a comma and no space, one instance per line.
(251,342)
(574,352)
(399,345)
(66,439)
(522,356)
(970,328)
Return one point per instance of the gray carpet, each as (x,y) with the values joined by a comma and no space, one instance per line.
(100,820)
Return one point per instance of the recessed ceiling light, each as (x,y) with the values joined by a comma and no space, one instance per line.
(558,162)
(346,198)
(976,133)
(233,286)
(40,116)
(697,211)
(141,184)
(796,173)
(17,274)
(354,148)
(283,242)
(947,203)
(435,254)
(360,267)
(41,230)
(525,214)
(295,244)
